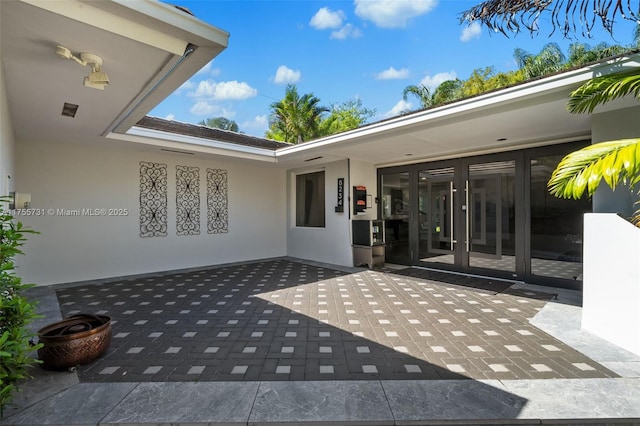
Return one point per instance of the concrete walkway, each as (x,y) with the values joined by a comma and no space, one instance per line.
(62,399)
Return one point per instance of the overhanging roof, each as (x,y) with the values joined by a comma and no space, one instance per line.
(526,115)
(140,42)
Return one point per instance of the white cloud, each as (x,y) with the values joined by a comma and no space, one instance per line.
(224,90)
(393,74)
(345,32)
(472,31)
(392,13)
(227,113)
(399,108)
(326,18)
(203,108)
(257,126)
(433,81)
(285,75)
(170,117)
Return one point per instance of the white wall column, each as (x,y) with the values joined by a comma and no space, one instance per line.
(7,140)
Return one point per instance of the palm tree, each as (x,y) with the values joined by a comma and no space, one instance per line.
(603,89)
(549,60)
(581,53)
(422,92)
(614,161)
(447,91)
(566,15)
(295,118)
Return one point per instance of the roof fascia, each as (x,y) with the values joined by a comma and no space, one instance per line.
(88,13)
(187,24)
(526,91)
(193,144)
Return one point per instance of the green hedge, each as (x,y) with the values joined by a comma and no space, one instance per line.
(16,311)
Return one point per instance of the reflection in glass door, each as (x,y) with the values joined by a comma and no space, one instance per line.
(396,214)
(556,225)
(486,215)
(491,211)
(436,216)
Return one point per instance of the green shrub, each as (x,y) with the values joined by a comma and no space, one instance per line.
(16,311)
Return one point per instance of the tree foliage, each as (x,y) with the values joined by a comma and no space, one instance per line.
(549,60)
(220,123)
(614,161)
(420,91)
(295,118)
(348,115)
(600,90)
(569,16)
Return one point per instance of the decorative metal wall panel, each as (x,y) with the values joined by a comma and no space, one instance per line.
(217,202)
(187,200)
(153,199)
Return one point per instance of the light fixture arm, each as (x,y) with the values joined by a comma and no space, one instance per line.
(96,78)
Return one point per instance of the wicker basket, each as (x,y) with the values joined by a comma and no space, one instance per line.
(74,341)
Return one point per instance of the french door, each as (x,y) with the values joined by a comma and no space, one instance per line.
(488,215)
(464,217)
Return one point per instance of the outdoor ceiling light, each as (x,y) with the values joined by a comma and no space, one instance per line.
(97,79)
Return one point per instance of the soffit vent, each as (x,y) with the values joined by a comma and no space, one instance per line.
(69,110)
(176,151)
(314,158)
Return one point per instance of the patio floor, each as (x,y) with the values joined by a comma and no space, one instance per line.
(285,320)
(291,342)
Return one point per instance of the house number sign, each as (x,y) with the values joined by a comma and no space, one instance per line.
(340,206)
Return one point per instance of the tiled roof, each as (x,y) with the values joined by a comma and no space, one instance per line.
(205,132)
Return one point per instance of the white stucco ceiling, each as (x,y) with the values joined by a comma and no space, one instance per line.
(138,42)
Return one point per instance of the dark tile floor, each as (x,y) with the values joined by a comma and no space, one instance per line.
(285,320)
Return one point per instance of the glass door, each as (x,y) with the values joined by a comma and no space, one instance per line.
(436,220)
(395,206)
(487,215)
(467,216)
(490,240)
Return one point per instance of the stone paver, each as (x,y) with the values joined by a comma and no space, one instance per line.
(286,320)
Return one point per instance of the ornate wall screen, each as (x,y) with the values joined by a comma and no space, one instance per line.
(153,199)
(187,200)
(217,201)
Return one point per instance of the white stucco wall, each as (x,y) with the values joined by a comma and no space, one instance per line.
(105,174)
(611,286)
(612,125)
(364,174)
(330,244)
(7,140)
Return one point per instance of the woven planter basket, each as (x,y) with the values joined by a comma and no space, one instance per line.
(74,341)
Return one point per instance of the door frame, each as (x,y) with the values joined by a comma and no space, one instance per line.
(460,177)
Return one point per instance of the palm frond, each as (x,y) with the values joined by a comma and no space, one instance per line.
(614,161)
(570,16)
(603,89)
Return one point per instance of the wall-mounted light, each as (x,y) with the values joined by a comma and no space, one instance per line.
(97,79)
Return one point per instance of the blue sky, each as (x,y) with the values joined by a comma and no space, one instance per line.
(341,50)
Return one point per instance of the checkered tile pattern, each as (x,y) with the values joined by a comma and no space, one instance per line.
(569,270)
(284,320)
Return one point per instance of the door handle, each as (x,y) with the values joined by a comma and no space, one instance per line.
(466,214)
(451,217)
